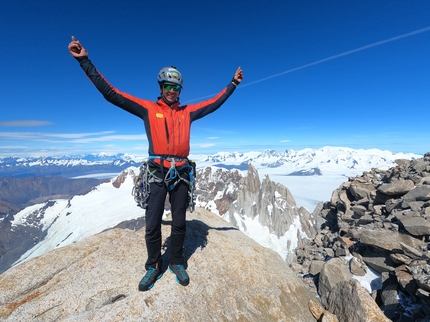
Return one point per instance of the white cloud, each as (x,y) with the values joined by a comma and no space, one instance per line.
(132,137)
(205,145)
(7,147)
(44,143)
(23,123)
(72,137)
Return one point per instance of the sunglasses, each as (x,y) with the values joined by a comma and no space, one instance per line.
(168,87)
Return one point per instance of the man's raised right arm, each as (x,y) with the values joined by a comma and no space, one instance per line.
(110,93)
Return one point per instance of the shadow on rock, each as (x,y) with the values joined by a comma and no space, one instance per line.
(195,238)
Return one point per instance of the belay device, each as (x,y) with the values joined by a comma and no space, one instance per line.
(142,189)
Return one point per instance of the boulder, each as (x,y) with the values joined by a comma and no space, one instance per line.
(390,300)
(357,267)
(397,188)
(361,190)
(379,260)
(329,317)
(410,251)
(316,309)
(358,211)
(316,267)
(400,259)
(364,310)
(406,280)
(415,225)
(421,273)
(333,272)
(419,194)
(385,239)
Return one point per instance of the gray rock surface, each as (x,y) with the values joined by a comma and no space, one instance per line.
(232,279)
(364,308)
(333,272)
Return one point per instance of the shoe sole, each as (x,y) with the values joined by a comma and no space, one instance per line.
(150,286)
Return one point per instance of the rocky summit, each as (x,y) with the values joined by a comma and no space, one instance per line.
(376,222)
(232,279)
(362,256)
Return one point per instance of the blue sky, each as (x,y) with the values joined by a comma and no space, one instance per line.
(317,73)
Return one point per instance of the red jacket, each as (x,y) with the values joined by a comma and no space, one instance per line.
(167,128)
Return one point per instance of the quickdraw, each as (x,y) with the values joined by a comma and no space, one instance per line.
(142,189)
(192,186)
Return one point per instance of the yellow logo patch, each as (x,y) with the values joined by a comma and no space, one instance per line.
(159,115)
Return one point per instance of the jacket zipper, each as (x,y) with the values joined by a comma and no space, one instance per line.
(173,131)
(167,133)
(179,132)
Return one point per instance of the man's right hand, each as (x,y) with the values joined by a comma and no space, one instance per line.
(76,49)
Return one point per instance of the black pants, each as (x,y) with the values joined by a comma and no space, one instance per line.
(178,198)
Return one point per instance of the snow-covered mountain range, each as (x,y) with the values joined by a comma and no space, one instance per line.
(310,175)
(323,161)
(329,160)
(98,165)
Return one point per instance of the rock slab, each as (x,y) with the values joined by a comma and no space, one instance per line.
(232,279)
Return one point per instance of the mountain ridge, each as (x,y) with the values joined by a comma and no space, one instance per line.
(328,160)
(217,201)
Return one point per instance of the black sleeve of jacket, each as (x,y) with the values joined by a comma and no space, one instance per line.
(111,94)
(207,107)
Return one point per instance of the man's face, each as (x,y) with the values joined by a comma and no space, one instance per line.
(170,92)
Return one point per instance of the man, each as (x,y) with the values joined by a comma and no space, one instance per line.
(167,125)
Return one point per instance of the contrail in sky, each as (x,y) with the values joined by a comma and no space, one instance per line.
(349,52)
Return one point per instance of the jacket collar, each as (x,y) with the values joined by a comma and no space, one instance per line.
(164,104)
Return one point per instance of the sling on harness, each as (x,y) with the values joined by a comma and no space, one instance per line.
(142,189)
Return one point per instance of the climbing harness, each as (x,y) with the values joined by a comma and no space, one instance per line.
(142,189)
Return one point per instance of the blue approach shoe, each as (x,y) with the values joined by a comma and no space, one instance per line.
(151,276)
(181,275)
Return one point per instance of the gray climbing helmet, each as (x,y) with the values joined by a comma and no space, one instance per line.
(171,75)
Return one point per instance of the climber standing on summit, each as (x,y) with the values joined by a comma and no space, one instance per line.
(167,125)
